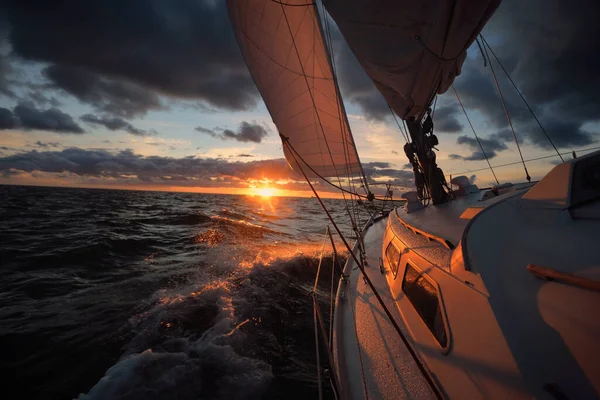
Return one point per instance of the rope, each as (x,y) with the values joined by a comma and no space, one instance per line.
(508,118)
(474,133)
(521,95)
(359,264)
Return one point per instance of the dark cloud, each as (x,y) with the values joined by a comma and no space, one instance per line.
(7,120)
(114,124)
(103,163)
(6,70)
(244,155)
(112,96)
(491,146)
(553,56)
(47,145)
(551,53)
(377,171)
(246,133)
(355,85)
(184,49)
(40,99)
(445,120)
(99,163)
(205,130)
(27,116)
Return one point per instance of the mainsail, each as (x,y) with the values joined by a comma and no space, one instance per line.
(283,46)
(411,49)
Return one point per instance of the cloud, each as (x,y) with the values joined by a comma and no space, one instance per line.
(194,171)
(205,130)
(26,116)
(377,171)
(355,85)
(7,120)
(490,145)
(40,99)
(6,69)
(103,163)
(555,68)
(47,145)
(445,120)
(183,49)
(246,133)
(112,96)
(113,123)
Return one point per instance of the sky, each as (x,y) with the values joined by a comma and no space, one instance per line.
(155,95)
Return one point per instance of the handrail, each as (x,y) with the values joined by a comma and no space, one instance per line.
(318,317)
(441,240)
(563,277)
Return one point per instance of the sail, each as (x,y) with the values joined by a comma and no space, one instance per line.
(284,49)
(411,49)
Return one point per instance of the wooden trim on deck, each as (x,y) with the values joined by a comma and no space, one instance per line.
(563,277)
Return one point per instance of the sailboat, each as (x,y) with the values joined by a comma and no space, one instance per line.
(461,292)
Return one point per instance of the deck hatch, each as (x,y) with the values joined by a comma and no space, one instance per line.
(424,297)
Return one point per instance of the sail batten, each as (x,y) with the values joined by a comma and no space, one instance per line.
(287,57)
(411,50)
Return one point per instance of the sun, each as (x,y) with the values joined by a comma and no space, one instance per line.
(265,191)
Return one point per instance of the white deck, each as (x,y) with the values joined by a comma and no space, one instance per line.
(444,220)
(389,370)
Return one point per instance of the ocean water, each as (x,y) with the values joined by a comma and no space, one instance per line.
(139,295)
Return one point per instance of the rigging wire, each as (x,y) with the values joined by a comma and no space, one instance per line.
(312,97)
(474,133)
(404,135)
(341,188)
(326,33)
(481,50)
(528,160)
(359,264)
(508,117)
(520,95)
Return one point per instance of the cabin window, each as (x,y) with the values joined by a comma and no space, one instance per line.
(425,299)
(393,257)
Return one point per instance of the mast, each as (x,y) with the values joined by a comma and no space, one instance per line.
(429,178)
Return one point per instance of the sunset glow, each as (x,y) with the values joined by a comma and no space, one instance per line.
(266,191)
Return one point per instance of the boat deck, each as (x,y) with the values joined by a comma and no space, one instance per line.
(444,220)
(378,358)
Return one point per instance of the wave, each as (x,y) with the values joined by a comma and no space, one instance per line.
(236,334)
(243,227)
(177,219)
